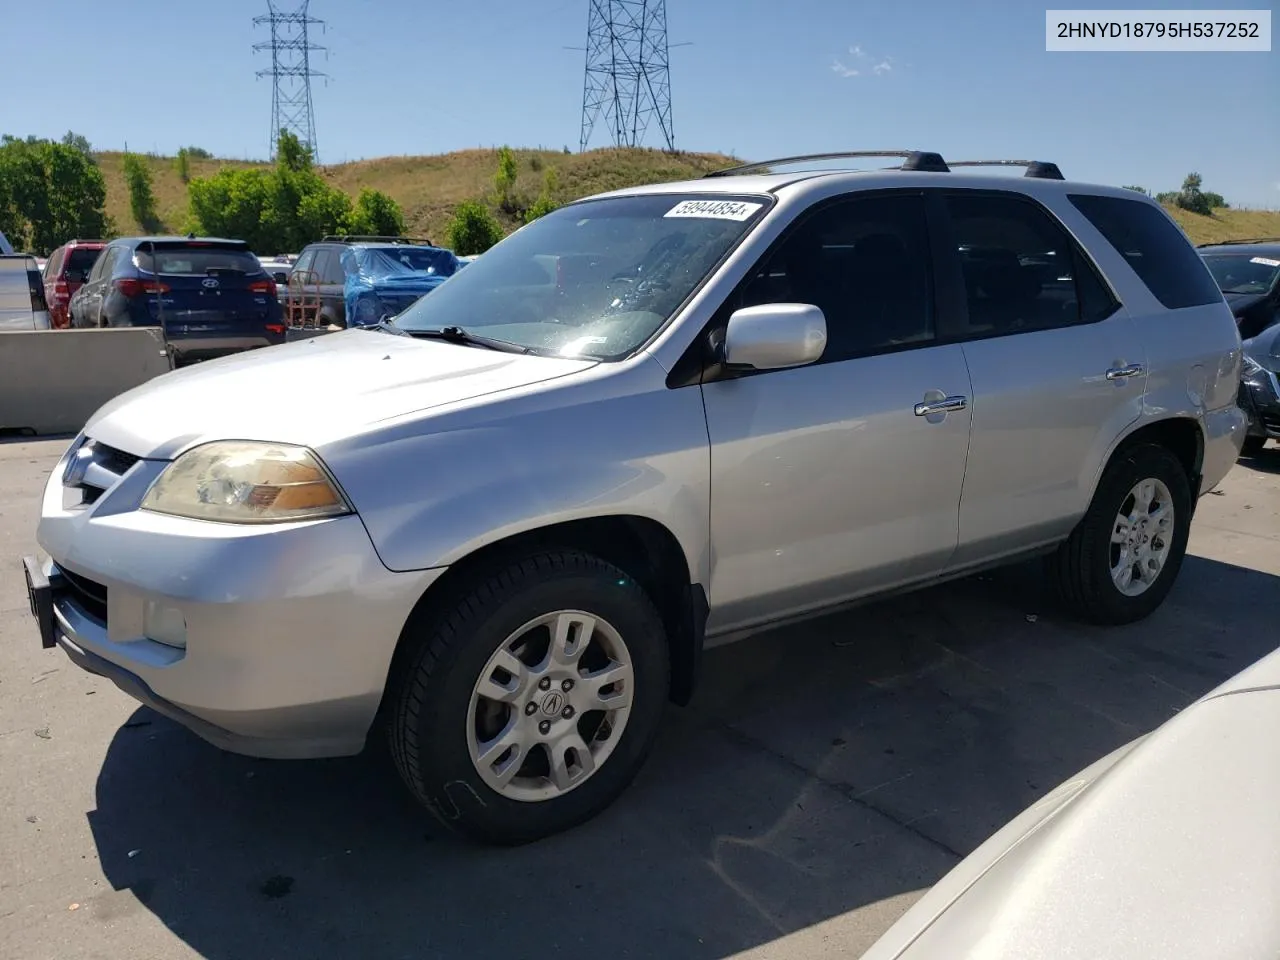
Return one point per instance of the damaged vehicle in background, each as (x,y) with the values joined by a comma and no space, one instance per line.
(383,281)
(1248,274)
(1260,389)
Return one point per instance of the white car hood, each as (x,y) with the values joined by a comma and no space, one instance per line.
(1172,850)
(311,391)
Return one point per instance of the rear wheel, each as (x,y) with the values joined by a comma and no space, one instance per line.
(530,705)
(1123,557)
(1253,446)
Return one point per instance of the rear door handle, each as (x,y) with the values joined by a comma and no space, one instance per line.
(945,405)
(1124,373)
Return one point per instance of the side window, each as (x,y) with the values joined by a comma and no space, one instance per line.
(54,265)
(1158,251)
(865,263)
(302,268)
(102,266)
(1022,272)
(327,268)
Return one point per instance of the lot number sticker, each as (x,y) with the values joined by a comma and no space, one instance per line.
(1266,262)
(714,209)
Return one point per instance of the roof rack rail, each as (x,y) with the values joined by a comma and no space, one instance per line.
(922,160)
(1038,169)
(369,238)
(1227,243)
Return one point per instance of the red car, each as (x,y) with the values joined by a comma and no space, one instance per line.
(67,269)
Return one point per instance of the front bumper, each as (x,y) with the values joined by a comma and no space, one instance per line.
(290,628)
(1260,399)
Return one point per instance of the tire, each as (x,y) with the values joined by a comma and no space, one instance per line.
(438,719)
(1253,446)
(1081,571)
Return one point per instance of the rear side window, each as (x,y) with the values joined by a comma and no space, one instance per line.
(186,259)
(1157,250)
(80,261)
(1022,272)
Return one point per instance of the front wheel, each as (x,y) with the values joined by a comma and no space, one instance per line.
(530,705)
(1121,560)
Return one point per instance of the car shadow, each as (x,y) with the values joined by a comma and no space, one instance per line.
(831,767)
(1266,460)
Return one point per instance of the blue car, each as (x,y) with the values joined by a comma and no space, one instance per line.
(384,280)
(211,296)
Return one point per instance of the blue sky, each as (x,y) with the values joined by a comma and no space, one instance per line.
(758,79)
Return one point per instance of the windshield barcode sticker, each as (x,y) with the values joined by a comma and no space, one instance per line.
(714,209)
(1266,261)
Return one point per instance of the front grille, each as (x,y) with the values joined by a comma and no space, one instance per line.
(89,595)
(117,461)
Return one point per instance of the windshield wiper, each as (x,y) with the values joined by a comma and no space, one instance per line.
(384,327)
(458,335)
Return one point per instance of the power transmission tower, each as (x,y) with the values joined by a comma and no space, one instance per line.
(628,77)
(291,72)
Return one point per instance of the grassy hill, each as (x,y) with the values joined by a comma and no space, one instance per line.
(428,188)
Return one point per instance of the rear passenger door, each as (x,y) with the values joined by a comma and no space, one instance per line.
(90,297)
(1057,366)
(833,480)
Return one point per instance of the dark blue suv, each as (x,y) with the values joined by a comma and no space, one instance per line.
(211,296)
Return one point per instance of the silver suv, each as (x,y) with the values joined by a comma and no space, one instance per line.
(501,529)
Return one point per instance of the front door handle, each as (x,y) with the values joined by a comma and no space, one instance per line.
(1124,373)
(945,405)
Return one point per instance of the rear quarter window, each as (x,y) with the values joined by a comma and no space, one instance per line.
(1154,247)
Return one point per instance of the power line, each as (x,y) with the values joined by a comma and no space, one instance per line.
(291,72)
(628,76)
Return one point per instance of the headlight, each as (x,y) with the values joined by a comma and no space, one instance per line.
(243,482)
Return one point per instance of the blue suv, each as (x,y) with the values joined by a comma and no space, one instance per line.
(211,296)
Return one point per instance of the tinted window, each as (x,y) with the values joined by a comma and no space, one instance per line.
(105,263)
(55,261)
(865,264)
(1021,270)
(177,259)
(327,269)
(80,261)
(1154,247)
(301,268)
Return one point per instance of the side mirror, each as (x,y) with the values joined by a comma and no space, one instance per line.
(280,277)
(773,336)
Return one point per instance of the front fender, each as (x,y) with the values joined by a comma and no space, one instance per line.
(433,491)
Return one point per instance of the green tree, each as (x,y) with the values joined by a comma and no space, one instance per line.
(276,211)
(198,153)
(504,181)
(49,193)
(546,201)
(377,214)
(182,164)
(77,142)
(473,229)
(142,201)
(1191,198)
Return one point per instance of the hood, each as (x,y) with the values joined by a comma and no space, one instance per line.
(1167,848)
(311,391)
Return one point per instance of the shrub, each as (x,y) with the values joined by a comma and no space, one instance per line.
(142,201)
(182,164)
(377,214)
(473,229)
(1190,197)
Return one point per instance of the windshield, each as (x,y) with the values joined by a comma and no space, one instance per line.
(593,279)
(1243,274)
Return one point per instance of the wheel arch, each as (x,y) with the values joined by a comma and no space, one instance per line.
(644,548)
(1180,435)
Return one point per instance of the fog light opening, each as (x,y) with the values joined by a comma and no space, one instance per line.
(165,624)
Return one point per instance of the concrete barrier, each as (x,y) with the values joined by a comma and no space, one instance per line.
(51,381)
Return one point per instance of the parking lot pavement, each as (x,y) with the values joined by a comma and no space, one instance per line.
(824,776)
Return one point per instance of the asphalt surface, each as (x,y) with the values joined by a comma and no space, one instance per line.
(822,779)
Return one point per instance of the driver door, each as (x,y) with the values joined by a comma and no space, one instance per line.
(826,481)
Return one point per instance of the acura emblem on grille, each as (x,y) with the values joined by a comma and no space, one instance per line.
(74,472)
